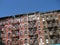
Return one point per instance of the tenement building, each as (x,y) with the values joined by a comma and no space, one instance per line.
(51,24)
(31,28)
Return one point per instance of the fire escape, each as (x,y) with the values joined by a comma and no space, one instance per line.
(32,30)
(53,30)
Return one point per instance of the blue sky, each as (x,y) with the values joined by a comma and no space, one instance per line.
(13,7)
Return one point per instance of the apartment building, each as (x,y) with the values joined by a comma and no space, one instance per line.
(22,29)
(51,22)
(31,29)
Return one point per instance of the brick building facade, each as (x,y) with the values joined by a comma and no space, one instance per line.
(31,29)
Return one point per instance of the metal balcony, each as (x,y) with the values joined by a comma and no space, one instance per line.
(15,34)
(16,26)
(31,34)
(15,43)
(32,24)
(31,17)
(32,31)
(49,25)
(49,19)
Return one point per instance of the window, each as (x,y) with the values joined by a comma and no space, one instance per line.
(51,16)
(25,40)
(43,22)
(58,41)
(41,39)
(35,28)
(38,18)
(22,19)
(17,39)
(16,32)
(17,19)
(31,32)
(51,33)
(17,44)
(4,30)
(46,17)
(13,32)
(25,25)
(32,23)
(31,42)
(38,28)
(4,35)
(44,28)
(47,41)
(8,42)
(46,37)
(45,32)
(55,16)
(21,25)
(21,42)
(25,32)
(4,41)
(52,41)
(40,34)
(8,35)
(38,23)
(21,33)
(43,19)
(25,19)
(11,20)
(33,18)
(29,18)
(59,24)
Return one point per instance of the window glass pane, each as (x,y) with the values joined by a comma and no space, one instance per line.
(21,33)
(25,25)
(25,40)
(8,42)
(25,31)
(21,42)
(8,35)
(16,32)
(25,19)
